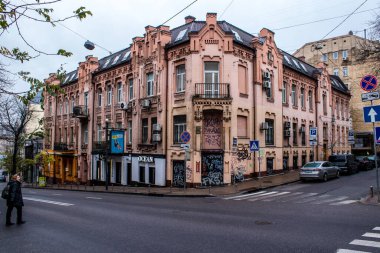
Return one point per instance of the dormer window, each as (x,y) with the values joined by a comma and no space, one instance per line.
(180,35)
(237,36)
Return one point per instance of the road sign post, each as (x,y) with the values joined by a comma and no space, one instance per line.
(185,137)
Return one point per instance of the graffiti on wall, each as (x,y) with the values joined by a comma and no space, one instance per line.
(212,169)
(238,169)
(189,173)
(212,130)
(178,173)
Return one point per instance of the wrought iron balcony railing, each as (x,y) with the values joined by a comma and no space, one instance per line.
(212,90)
(99,146)
(60,146)
(80,111)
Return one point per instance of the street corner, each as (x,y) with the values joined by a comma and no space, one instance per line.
(370,200)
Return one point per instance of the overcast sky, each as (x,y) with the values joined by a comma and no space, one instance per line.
(114,23)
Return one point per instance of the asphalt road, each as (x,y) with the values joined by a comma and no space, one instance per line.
(299,217)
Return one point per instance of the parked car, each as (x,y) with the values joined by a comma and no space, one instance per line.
(365,163)
(346,163)
(3,176)
(372,159)
(320,170)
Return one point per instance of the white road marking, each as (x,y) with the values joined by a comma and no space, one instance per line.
(330,200)
(271,196)
(366,243)
(93,198)
(314,198)
(48,201)
(350,251)
(276,198)
(376,228)
(57,194)
(373,235)
(343,202)
(257,197)
(246,195)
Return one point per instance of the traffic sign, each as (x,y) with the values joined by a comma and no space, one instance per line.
(313,143)
(254,146)
(371,113)
(377,137)
(351,136)
(185,146)
(313,133)
(368,83)
(369,96)
(185,136)
(351,142)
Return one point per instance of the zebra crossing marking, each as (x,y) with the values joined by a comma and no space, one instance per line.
(48,201)
(295,197)
(373,235)
(376,228)
(350,251)
(366,243)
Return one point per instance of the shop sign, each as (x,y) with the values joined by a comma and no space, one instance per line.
(146,159)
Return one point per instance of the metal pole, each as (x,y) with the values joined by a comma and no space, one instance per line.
(106,156)
(375,153)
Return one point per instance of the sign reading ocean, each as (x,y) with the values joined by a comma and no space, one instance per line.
(117,141)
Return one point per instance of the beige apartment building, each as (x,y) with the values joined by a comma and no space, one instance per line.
(215,82)
(343,58)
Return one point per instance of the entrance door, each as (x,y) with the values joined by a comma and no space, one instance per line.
(178,173)
(118,172)
(129,173)
(212,169)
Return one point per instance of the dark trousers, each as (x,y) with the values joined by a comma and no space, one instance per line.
(9,213)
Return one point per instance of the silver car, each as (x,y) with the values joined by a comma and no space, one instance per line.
(321,170)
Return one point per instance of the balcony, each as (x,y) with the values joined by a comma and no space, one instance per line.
(60,146)
(99,146)
(212,91)
(80,111)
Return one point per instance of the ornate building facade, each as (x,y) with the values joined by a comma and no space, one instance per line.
(211,80)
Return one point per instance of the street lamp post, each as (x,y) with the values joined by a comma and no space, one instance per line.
(106,156)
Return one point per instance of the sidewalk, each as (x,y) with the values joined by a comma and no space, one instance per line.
(248,185)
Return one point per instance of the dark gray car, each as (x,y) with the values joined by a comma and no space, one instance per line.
(346,163)
(320,170)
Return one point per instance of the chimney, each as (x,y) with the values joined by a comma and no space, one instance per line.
(189,19)
(211,18)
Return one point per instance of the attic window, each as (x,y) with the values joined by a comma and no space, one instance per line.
(180,35)
(108,61)
(126,55)
(115,60)
(303,66)
(296,63)
(66,79)
(237,36)
(287,59)
(72,77)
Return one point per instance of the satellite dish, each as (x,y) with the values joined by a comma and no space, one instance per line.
(89,45)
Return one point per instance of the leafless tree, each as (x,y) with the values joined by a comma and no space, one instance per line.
(14,116)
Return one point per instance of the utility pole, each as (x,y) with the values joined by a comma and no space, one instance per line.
(106,156)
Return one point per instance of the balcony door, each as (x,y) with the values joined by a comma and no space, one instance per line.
(211,79)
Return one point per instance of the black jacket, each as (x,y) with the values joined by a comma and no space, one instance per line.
(15,195)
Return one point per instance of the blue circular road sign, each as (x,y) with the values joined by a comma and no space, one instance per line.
(368,83)
(185,136)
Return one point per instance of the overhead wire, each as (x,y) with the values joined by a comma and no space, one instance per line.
(225,9)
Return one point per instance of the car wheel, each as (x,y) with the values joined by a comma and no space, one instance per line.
(325,177)
(338,174)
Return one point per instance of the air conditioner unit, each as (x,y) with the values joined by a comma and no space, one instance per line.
(264,126)
(345,58)
(77,110)
(267,84)
(287,133)
(124,105)
(266,74)
(287,124)
(146,103)
(156,137)
(302,129)
(157,127)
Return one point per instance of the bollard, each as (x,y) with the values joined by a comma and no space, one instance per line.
(371,191)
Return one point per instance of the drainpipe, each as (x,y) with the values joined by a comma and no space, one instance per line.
(166,114)
(316,153)
(254,106)
(92,125)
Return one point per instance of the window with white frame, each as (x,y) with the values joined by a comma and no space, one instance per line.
(119,92)
(130,88)
(344,54)
(130,132)
(109,95)
(284,95)
(302,97)
(294,94)
(336,72)
(211,71)
(325,58)
(99,98)
(144,132)
(310,95)
(335,55)
(100,131)
(179,126)
(180,78)
(345,71)
(149,84)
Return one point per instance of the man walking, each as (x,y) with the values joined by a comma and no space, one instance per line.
(14,200)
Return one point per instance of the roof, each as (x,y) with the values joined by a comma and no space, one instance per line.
(181,34)
(338,84)
(298,65)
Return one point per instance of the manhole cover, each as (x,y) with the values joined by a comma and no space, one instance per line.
(263,222)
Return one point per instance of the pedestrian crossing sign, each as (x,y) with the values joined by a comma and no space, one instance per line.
(254,145)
